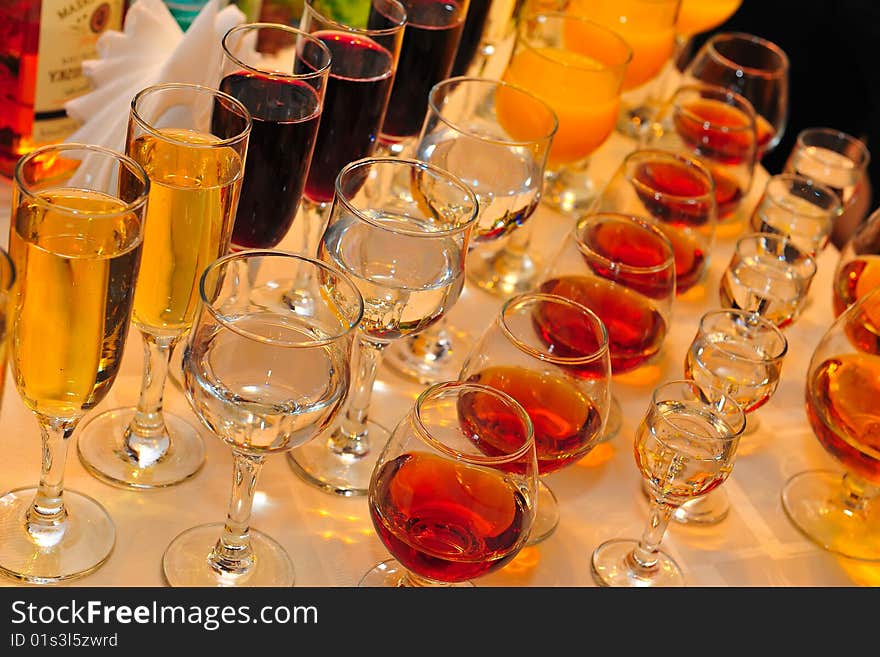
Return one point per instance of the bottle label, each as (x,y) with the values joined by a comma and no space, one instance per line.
(68,32)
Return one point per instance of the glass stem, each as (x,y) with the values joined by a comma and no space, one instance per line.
(644,556)
(232,554)
(147,439)
(351,438)
(47,517)
(431,344)
(857,493)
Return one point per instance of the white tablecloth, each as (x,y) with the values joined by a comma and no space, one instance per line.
(331,539)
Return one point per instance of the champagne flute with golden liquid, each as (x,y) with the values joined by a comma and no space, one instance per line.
(192,142)
(75,241)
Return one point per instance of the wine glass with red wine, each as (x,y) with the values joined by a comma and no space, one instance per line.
(551,355)
(622,267)
(679,193)
(430,42)
(279,74)
(453,493)
(840,511)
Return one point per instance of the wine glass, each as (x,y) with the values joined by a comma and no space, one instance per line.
(551,355)
(192,141)
(738,354)
(467,133)
(75,242)
(840,511)
(263,379)
(684,448)
(800,208)
(769,275)
(430,41)
(678,192)
(717,126)
(452,496)
(280,74)
(7,278)
(400,229)
(577,67)
(858,267)
(839,161)
(755,68)
(362,71)
(622,267)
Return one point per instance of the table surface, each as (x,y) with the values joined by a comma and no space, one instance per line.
(331,539)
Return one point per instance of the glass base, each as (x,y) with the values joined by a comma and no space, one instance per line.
(612,565)
(185,562)
(391,574)
(340,474)
(813,501)
(85,544)
(546,515)
(102,453)
(504,273)
(430,356)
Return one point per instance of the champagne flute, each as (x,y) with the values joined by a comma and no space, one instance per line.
(839,511)
(858,268)
(551,355)
(577,67)
(279,74)
(264,379)
(684,447)
(466,132)
(678,192)
(400,229)
(755,68)
(7,278)
(75,241)
(454,491)
(192,142)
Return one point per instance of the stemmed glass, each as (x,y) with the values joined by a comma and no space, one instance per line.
(264,379)
(840,511)
(551,355)
(453,493)
(467,132)
(192,142)
(75,242)
(755,68)
(678,192)
(400,229)
(769,275)
(622,267)
(858,267)
(280,75)
(840,161)
(430,41)
(717,126)
(738,354)
(362,71)
(800,208)
(684,447)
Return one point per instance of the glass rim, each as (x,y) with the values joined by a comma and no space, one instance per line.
(157,88)
(277,253)
(753,318)
(804,257)
(321,71)
(788,177)
(384,31)
(742,104)
(432,105)
(132,165)
(526,298)
(564,16)
(643,222)
(726,37)
(686,161)
(724,398)
(845,137)
(5,257)
(435,391)
(412,164)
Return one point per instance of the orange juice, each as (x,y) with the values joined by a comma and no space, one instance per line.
(696,16)
(584,93)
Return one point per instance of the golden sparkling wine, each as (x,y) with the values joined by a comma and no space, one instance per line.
(191,207)
(72,298)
